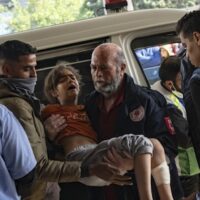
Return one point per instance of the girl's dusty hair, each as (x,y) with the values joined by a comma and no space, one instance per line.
(53,77)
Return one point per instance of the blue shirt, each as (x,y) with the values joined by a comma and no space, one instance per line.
(16,156)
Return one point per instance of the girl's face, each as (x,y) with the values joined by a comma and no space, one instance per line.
(67,89)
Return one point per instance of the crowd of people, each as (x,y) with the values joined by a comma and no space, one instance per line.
(118,145)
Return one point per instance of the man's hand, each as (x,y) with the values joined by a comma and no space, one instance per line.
(54,124)
(122,161)
(109,173)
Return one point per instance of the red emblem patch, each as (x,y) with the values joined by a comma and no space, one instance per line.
(169,125)
(137,114)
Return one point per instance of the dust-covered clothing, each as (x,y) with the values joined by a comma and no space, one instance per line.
(137,113)
(93,153)
(79,124)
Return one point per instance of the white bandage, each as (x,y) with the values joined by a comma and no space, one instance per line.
(161,174)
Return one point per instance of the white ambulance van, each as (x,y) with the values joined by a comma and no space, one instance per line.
(142,35)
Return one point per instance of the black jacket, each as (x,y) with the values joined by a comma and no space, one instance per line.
(152,125)
(191,88)
(195,116)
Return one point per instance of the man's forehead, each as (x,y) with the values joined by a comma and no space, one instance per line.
(98,61)
(186,37)
(102,62)
(27,57)
(103,59)
(99,65)
(103,52)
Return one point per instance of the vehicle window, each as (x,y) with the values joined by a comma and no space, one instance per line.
(150,51)
(22,15)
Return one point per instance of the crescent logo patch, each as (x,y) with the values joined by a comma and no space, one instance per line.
(137,114)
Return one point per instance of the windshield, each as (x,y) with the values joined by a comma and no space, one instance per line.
(22,15)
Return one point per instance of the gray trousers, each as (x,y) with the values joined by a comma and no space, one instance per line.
(93,153)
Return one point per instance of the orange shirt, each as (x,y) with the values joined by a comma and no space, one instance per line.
(77,120)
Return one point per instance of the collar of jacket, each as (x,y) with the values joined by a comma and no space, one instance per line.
(7,91)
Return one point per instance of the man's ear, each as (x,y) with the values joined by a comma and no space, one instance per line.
(196,36)
(169,85)
(123,68)
(5,69)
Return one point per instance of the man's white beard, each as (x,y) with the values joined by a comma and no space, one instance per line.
(109,89)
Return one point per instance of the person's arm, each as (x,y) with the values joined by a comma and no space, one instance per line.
(105,170)
(53,125)
(46,170)
(21,161)
(181,127)
(52,170)
(25,181)
(155,125)
(194,89)
(108,172)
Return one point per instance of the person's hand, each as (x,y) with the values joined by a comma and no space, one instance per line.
(122,161)
(109,173)
(54,124)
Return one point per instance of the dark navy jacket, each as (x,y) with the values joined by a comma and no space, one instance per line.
(152,125)
(191,88)
(194,113)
